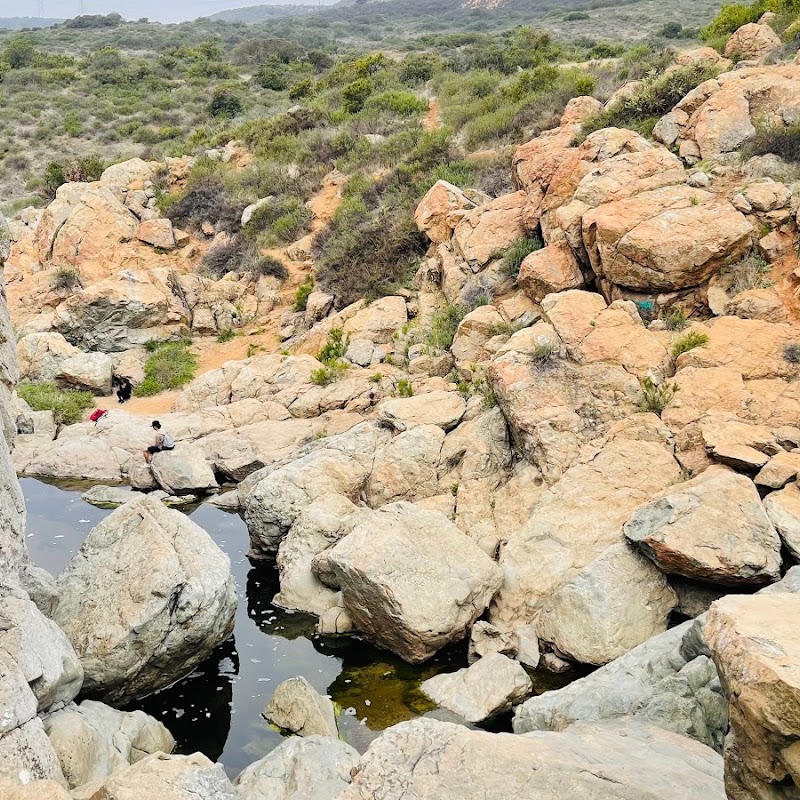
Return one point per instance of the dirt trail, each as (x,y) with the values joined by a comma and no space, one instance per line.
(433,119)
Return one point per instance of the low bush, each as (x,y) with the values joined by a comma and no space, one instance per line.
(688,342)
(656,397)
(240,255)
(517,253)
(444,325)
(751,272)
(206,200)
(302,293)
(543,353)
(65,279)
(225,103)
(404,388)
(67,405)
(791,352)
(170,366)
(675,319)
(335,347)
(782,140)
(225,336)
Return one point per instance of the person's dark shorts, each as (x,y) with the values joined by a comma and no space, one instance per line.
(154,449)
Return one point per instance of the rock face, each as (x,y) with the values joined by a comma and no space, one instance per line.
(552,269)
(93,741)
(712,528)
(755,643)
(174,606)
(489,230)
(183,470)
(300,769)
(42,652)
(492,685)
(441,210)
(411,581)
(783,509)
(668,681)
(753,41)
(609,607)
(297,707)
(166,777)
(599,761)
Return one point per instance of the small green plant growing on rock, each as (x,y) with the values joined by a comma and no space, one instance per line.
(302,293)
(67,405)
(543,353)
(253,348)
(791,352)
(225,336)
(444,325)
(66,278)
(331,356)
(656,397)
(688,342)
(170,366)
(675,320)
(404,388)
(517,253)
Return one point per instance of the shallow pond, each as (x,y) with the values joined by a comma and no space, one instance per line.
(217,709)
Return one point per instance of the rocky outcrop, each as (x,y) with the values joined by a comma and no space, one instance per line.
(489,230)
(552,269)
(297,707)
(491,686)
(442,208)
(311,766)
(753,41)
(712,528)
(624,761)
(668,681)
(174,606)
(93,741)
(411,581)
(754,643)
(167,777)
(783,510)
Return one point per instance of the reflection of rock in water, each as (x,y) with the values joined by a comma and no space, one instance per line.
(262,586)
(197,709)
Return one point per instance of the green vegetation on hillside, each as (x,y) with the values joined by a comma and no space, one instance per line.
(67,405)
(169,366)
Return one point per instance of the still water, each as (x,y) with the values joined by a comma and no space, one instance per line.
(217,709)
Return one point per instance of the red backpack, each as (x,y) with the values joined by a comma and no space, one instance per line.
(97,415)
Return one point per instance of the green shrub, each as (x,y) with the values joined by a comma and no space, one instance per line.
(303,88)
(656,397)
(335,347)
(170,366)
(66,278)
(225,336)
(404,104)
(444,325)
(67,405)
(225,103)
(657,95)
(355,94)
(751,272)
(675,319)
(404,388)
(783,140)
(543,353)
(302,293)
(241,255)
(791,352)
(329,373)
(517,253)
(688,342)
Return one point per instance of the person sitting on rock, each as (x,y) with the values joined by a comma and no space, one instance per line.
(124,390)
(162,442)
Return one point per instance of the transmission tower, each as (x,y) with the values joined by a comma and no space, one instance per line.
(40,8)
(80,7)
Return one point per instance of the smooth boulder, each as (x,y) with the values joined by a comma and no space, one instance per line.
(712,528)
(298,707)
(183,470)
(411,581)
(427,759)
(171,592)
(300,768)
(491,686)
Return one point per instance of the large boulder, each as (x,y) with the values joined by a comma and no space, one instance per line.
(551,269)
(753,41)
(42,652)
(668,681)
(616,602)
(167,777)
(755,644)
(580,517)
(712,528)
(441,210)
(300,768)
(41,355)
(379,321)
(596,761)
(445,409)
(411,581)
(183,470)
(491,686)
(26,753)
(783,510)
(93,741)
(92,371)
(174,604)
(489,230)
(298,707)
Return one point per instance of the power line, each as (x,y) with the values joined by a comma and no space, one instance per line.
(40,8)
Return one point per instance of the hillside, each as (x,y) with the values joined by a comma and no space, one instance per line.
(253,14)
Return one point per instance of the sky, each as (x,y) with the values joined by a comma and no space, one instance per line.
(162,10)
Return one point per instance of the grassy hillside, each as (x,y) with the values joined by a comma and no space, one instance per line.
(254,14)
